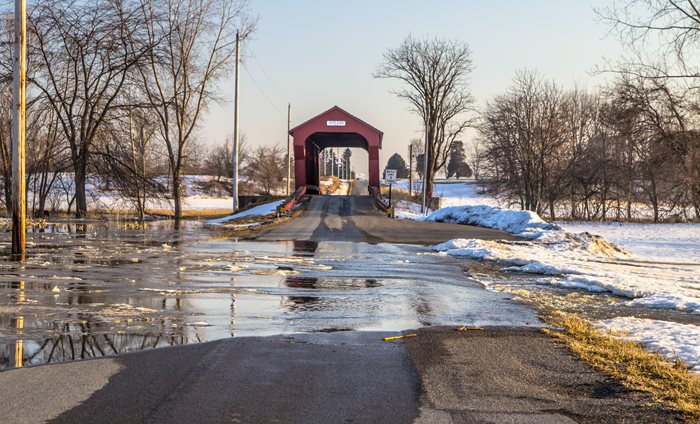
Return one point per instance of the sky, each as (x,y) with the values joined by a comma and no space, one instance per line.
(315,54)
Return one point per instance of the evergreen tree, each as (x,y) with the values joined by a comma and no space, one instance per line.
(396,162)
(346,163)
(457,166)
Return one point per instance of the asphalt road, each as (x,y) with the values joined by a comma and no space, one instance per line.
(355,218)
(499,375)
(442,375)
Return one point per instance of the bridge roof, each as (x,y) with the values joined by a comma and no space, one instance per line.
(336,120)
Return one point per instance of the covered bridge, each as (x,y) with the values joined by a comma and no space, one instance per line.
(332,128)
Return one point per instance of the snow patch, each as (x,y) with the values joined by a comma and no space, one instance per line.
(670,339)
(260,210)
(522,223)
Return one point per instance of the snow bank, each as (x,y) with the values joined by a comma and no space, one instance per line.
(573,260)
(584,261)
(343,189)
(670,339)
(522,223)
(407,210)
(260,210)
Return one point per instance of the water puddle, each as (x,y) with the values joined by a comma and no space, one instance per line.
(99,289)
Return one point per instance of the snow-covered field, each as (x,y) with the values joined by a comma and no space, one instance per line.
(102,199)
(656,242)
(452,192)
(650,266)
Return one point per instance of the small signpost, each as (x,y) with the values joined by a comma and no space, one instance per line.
(390,178)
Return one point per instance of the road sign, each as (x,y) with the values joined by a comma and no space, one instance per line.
(390,176)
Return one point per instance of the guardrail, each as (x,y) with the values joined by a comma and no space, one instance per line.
(378,201)
(291,201)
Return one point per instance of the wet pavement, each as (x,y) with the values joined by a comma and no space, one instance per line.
(105,288)
(325,306)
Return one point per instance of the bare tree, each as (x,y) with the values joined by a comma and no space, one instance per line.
(218,161)
(126,156)
(82,57)
(47,155)
(436,76)
(194,42)
(475,157)
(670,28)
(522,132)
(266,167)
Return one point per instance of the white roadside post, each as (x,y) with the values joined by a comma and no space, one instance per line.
(390,178)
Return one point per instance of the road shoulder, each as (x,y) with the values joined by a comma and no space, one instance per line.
(517,375)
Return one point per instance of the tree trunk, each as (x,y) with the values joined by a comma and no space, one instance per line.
(552,214)
(80,195)
(176,197)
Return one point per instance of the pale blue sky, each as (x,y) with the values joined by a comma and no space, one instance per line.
(316,54)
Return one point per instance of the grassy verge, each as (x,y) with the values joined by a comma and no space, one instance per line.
(670,383)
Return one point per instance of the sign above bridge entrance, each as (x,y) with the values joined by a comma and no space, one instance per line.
(335,123)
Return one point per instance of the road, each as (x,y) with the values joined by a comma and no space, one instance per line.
(500,374)
(356,219)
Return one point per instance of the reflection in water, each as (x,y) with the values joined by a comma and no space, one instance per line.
(86,345)
(301,282)
(19,325)
(122,289)
(304,248)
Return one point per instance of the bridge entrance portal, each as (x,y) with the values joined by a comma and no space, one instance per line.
(333,128)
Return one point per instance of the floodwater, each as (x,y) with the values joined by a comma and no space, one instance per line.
(98,289)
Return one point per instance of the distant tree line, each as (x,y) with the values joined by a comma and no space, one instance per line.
(117,89)
(621,153)
(336,164)
(456,166)
(628,151)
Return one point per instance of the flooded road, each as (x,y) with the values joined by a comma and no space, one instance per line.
(105,288)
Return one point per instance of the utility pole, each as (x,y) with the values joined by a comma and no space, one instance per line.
(289,158)
(235,122)
(410,170)
(19,204)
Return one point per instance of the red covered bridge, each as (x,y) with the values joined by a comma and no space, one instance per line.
(332,128)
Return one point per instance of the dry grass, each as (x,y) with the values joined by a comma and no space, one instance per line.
(670,383)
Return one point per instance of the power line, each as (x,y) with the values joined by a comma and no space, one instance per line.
(261,90)
(282,96)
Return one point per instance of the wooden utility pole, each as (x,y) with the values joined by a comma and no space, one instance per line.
(235,122)
(289,157)
(410,170)
(19,204)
